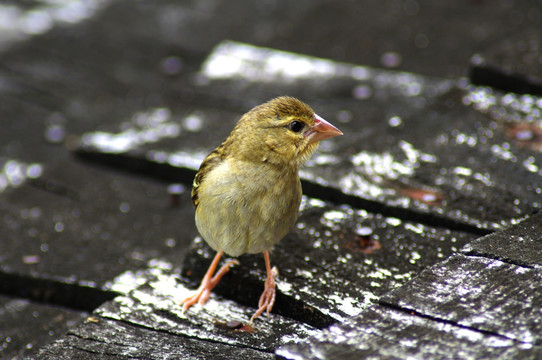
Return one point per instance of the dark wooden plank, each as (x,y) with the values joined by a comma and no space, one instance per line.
(511,64)
(478,293)
(155,305)
(464,307)
(384,333)
(150,316)
(80,226)
(100,338)
(520,244)
(26,326)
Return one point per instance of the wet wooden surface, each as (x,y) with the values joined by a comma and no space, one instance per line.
(407,244)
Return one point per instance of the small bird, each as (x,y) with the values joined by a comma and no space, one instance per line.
(247,191)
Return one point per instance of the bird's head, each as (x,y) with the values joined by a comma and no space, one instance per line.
(283,131)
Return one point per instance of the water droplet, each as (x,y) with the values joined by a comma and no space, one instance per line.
(364,231)
(124,207)
(59,226)
(415,256)
(34,171)
(360,73)
(395,121)
(35,212)
(362,92)
(171,65)
(55,133)
(344,116)
(31,259)
(136,255)
(477,60)
(393,221)
(193,123)
(391,59)
(15,172)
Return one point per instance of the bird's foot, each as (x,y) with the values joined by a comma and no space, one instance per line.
(197,297)
(267,300)
(208,283)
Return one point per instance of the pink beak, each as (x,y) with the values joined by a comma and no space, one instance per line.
(321,130)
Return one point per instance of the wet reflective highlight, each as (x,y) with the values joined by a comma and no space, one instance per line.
(17,24)
(14,173)
(239,61)
(231,59)
(357,244)
(145,127)
(150,298)
(381,174)
(504,107)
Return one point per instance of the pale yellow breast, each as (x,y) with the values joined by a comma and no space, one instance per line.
(246,207)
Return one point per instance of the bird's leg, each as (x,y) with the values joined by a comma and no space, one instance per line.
(208,282)
(268,296)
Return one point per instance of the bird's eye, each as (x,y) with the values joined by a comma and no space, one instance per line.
(295,126)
